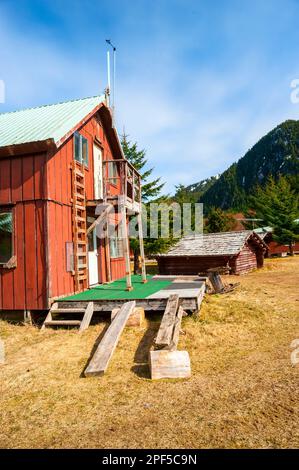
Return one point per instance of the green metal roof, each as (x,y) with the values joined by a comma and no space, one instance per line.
(45,122)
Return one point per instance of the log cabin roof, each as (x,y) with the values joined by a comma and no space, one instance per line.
(50,122)
(214,244)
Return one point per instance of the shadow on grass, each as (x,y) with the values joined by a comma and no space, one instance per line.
(141,367)
(94,348)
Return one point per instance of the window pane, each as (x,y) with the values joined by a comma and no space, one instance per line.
(6,243)
(116,248)
(77,150)
(112,172)
(85,151)
(113,249)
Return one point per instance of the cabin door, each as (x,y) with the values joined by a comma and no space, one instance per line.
(98,172)
(93,258)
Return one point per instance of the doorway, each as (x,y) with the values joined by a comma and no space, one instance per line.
(98,172)
(93,269)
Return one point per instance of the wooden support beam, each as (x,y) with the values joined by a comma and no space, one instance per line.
(101,358)
(169,364)
(125,241)
(141,246)
(106,209)
(87,317)
(49,316)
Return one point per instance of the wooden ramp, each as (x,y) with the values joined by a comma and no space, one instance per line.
(101,358)
(166,362)
(51,318)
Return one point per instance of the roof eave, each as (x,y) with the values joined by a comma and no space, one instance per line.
(26,148)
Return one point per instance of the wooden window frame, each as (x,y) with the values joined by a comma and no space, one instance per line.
(12,262)
(119,254)
(82,140)
(112,179)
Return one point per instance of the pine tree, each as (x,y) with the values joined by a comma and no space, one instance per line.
(219,221)
(151,189)
(277,205)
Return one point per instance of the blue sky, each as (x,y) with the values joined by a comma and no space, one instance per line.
(198,82)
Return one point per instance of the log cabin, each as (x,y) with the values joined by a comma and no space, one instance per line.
(241,251)
(58,164)
(275,249)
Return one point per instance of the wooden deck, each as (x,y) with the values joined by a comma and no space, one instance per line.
(190,295)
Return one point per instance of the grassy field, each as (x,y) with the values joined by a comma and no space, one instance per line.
(243,391)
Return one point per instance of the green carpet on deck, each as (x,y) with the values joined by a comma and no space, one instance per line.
(117,290)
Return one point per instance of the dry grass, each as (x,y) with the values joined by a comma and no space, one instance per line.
(243,391)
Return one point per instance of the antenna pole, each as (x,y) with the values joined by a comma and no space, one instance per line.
(114,75)
(108,77)
(108,41)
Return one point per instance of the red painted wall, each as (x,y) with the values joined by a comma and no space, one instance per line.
(39,187)
(23,185)
(60,209)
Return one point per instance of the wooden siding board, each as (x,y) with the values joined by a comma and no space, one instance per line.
(5,181)
(28,178)
(41,256)
(30,255)
(16,180)
(19,271)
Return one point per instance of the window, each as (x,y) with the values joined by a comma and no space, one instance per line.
(116,247)
(6,236)
(81,149)
(112,172)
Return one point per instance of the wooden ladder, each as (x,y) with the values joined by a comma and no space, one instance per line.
(55,310)
(79,228)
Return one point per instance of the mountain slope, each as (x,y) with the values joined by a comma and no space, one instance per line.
(275,153)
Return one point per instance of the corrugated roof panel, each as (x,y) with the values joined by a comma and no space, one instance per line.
(45,122)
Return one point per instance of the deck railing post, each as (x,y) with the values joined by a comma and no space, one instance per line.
(125,241)
(140,235)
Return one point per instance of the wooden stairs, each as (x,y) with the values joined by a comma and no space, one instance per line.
(51,318)
(79,228)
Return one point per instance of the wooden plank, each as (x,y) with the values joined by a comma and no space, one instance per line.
(63,323)
(87,317)
(165,332)
(216,282)
(68,310)
(49,316)
(169,364)
(100,361)
(176,330)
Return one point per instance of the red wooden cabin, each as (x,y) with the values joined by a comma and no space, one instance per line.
(57,163)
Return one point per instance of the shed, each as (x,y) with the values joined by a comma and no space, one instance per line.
(242,251)
(274,249)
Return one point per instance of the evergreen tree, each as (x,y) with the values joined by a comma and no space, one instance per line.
(219,221)
(277,205)
(151,189)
